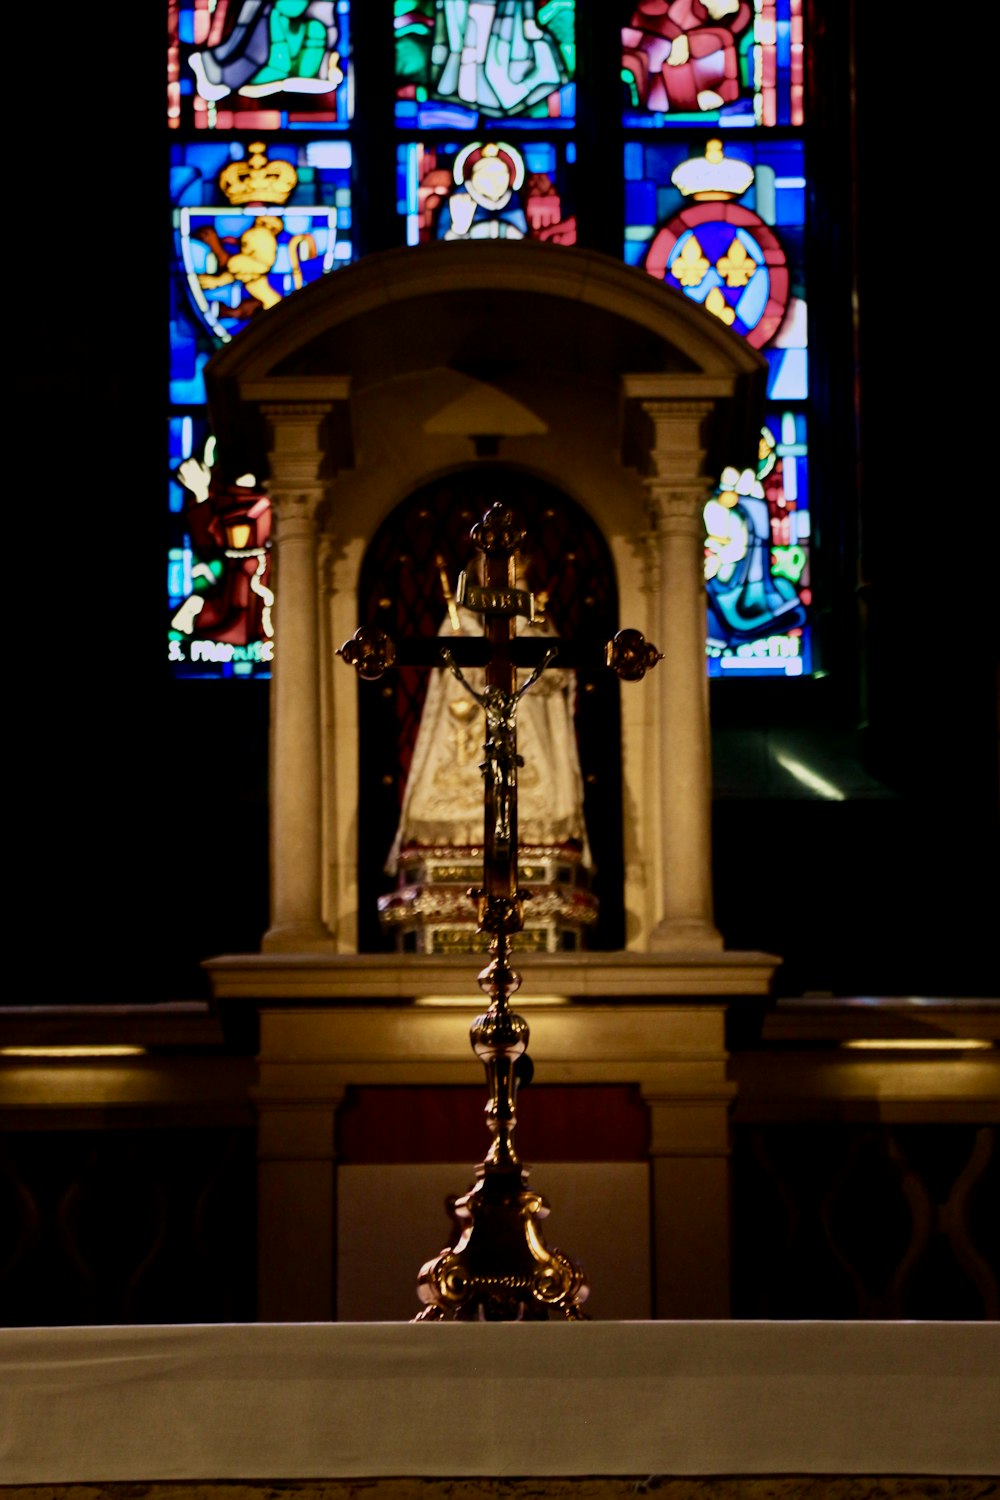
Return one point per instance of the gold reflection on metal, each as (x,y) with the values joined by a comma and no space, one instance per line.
(465,1002)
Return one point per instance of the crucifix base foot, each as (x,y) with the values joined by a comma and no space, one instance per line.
(501,1270)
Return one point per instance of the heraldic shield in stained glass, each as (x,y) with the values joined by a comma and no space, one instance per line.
(259,64)
(725,226)
(248,230)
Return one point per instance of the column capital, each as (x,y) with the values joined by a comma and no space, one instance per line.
(676,507)
(282,412)
(298,463)
(296,507)
(677,408)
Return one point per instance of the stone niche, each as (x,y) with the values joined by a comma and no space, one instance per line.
(559,364)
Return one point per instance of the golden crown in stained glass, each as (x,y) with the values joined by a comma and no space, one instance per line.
(257,179)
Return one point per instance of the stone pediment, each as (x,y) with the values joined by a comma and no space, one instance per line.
(528,320)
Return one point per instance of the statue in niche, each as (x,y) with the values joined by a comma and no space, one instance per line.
(441,819)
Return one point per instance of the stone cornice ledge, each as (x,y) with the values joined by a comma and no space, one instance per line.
(346,978)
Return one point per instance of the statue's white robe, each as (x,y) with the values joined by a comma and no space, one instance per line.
(443,801)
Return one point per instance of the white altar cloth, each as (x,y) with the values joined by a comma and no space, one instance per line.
(347,1400)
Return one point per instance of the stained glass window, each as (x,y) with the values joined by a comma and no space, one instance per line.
(726,63)
(259,64)
(715,205)
(260,93)
(679,142)
(219,564)
(725,225)
(461,65)
(757,560)
(487,189)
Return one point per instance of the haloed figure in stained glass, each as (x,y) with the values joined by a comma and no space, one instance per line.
(273,46)
(485,204)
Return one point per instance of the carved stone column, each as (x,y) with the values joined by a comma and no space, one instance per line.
(297,454)
(678,488)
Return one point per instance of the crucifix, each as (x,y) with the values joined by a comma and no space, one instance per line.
(500,1269)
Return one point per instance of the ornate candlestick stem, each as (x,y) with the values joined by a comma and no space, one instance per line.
(500,1041)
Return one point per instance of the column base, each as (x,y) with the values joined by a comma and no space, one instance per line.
(677,935)
(298,937)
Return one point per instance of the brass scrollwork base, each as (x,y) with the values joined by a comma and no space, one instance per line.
(501,1270)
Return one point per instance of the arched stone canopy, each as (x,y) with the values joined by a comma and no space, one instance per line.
(413,363)
(490,314)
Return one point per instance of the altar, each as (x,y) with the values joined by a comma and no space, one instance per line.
(509,1401)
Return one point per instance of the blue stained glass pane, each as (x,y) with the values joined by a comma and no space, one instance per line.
(539,156)
(640,203)
(787,377)
(634,161)
(441,117)
(790,201)
(178,574)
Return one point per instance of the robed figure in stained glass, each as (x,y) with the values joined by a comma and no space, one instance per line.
(683,56)
(490,56)
(274,46)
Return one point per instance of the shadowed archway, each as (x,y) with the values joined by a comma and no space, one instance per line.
(399,588)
